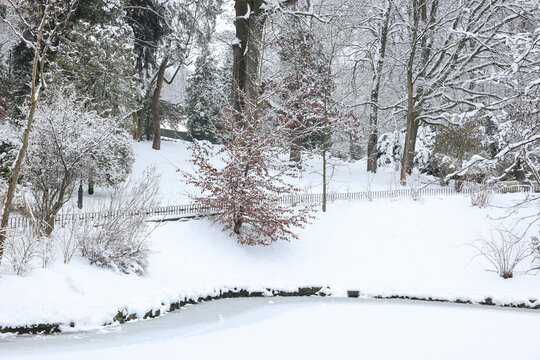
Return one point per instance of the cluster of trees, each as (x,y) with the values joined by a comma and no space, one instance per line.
(450,66)
(402,67)
(449,87)
(96,70)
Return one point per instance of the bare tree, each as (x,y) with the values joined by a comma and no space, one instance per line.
(379,27)
(452,49)
(67,143)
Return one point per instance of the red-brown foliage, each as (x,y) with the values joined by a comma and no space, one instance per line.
(246,178)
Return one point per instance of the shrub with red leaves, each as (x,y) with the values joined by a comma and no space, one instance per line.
(246,178)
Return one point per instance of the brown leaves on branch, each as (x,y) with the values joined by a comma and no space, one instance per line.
(246,178)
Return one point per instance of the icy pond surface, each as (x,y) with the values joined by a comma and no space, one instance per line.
(301,328)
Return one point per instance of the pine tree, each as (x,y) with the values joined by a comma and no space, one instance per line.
(207,94)
(98,59)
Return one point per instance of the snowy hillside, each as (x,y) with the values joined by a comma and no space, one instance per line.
(278,179)
(381,248)
(343,176)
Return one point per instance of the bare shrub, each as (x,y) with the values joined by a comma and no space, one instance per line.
(504,250)
(46,250)
(481,193)
(416,188)
(67,236)
(67,240)
(22,246)
(117,240)
(535,244)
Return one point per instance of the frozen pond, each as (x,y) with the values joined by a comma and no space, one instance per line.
(301,328)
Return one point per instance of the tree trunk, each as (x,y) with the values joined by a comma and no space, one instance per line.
(373,116)
(135,126)
(90,186)
(249,24)
(296,152)
(519,171)
(14,178)
(419,38)
(410,138)
(237,226)
(324,171)
(52,216)
(140,124)
(156,144)
(409,147)
(325,139)
(372,150)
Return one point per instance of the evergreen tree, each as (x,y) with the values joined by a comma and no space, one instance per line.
(207,94)
(97,11)
(98,60)
(143,16)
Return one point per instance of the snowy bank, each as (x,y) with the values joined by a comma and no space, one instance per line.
(416,249)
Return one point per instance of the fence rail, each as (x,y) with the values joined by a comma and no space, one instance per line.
(199,210)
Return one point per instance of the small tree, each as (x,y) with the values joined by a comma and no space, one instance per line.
(68,143)
(247,189)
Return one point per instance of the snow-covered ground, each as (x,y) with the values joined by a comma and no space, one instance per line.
(307,328)
(382,247)
(344,176)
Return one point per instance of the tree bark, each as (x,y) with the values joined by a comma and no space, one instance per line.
(49,221)
(37,70)
(373,116)
(410,138)
(140,124)
(372,149)
(135,125)
(407,160)
(156,144)
(90,186)
(296,152)
(249,25)
(409,147)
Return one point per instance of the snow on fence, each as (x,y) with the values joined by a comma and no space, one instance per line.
(193,210)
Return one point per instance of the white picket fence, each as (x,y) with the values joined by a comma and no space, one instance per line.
(191,210)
